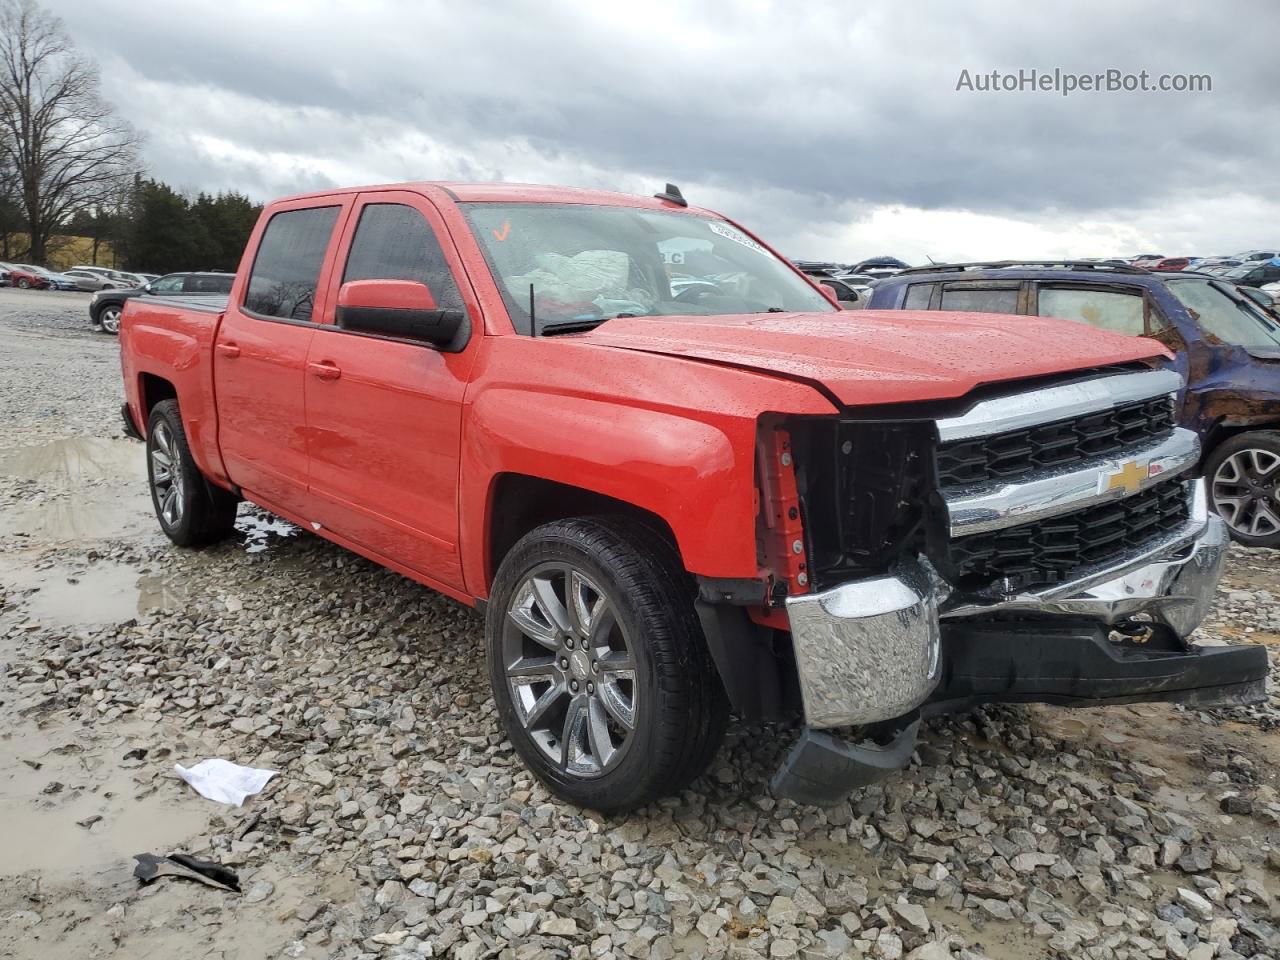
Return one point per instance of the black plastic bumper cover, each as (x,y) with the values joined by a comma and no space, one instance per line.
(1077,665)
(822,769)
(130,428)
(1006,662)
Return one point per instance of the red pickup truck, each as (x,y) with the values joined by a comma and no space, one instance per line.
(679,480)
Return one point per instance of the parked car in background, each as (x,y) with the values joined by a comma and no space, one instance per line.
(57,281)
(25,278)
(91,280)
(1255,273)
(1146,259)
(1224,344)
(4,275)
(117,277)
(106,305)
(1171,263)
(1251,256)
(669,505)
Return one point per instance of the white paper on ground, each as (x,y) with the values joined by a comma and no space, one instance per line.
(224,781)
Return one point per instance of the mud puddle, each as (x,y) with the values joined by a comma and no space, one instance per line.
(75,806)
(77,488)
(78,594)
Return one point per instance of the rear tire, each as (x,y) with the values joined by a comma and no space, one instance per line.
(23,284)
(192,512)
(568,674)
(1244,486)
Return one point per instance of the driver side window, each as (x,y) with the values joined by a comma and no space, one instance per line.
(169,284)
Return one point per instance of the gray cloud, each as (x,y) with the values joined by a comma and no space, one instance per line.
(806,116)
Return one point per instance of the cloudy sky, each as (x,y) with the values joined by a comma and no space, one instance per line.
(834,132)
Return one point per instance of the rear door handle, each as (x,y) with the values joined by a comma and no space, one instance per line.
(325,370)
(229,350)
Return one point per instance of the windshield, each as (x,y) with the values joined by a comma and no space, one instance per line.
(581,264)
(1224,317)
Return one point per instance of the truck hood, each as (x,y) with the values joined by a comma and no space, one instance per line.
(881,356)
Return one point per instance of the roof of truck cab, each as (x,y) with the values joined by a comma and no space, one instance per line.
(512,193)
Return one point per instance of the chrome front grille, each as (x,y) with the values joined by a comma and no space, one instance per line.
(1051,446)
(1042,484)
(1055,550)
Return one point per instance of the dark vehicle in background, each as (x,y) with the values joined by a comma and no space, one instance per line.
(4,275)
(1255,274)
(25,277)
(106,305)
(1225,345)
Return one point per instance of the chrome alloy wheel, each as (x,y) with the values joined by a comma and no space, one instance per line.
(166,475)
(110,319)
(570,668)
(1246,492)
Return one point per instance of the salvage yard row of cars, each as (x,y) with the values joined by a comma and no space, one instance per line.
(29,277)
(678,480)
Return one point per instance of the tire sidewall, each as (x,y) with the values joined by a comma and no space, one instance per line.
(1266,440)
(605,791)
(23,284)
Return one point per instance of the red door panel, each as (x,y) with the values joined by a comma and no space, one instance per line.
(385,421)
(258,370)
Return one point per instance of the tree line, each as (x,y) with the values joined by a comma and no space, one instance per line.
(69,166)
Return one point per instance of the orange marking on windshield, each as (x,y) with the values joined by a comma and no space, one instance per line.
(501,235)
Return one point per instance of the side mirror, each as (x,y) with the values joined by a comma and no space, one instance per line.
(401,309)
(147,287)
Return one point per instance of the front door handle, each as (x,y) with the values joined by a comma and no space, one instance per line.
(325,370)
(229,350)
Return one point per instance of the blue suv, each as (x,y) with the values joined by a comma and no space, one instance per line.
(1226,346)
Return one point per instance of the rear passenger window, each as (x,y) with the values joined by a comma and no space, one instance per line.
(978,300)
(206,284)
(1104,309)
(287,267)
(918,296)
(395,242)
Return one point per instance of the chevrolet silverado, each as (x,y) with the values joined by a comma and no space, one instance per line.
(679,481)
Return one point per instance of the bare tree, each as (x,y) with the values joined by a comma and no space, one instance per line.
(64,143)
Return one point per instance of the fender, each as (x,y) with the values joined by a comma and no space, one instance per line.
(668,435)
(175,343)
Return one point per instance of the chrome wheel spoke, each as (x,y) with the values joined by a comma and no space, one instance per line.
(534,711)
(619,706)
(602,748)
(531,618)
(572,737)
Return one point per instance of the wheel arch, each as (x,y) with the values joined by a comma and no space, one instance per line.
(520,502)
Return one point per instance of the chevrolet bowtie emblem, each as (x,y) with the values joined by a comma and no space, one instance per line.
(1129,477)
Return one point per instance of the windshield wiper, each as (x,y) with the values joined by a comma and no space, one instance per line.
(775,310)
(569,326)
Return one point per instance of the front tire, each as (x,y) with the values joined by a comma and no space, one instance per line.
(602,678)
(23,284)
(1244,486)
(109,320)
(192,512)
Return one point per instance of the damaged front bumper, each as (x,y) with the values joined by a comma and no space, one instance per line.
(877,653)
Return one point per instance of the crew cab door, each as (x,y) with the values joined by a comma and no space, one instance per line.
(384,413)
(260,354)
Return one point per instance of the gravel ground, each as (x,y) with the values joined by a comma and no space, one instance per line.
(403,825)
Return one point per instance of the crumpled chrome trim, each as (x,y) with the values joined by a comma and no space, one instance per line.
(1176,592)
(989,507)
(1061,402)
(866,650)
